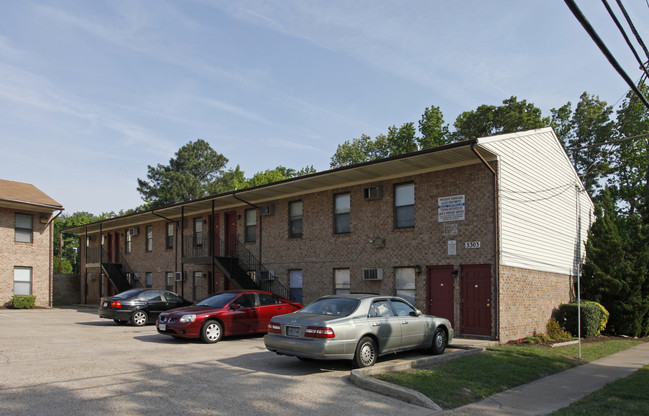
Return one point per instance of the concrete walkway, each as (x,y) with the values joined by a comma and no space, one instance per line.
(539,397)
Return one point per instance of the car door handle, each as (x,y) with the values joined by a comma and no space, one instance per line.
(405,322)
(376,324)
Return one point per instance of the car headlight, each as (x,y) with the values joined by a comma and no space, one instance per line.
(188,318)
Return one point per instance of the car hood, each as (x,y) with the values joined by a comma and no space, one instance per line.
(192,309)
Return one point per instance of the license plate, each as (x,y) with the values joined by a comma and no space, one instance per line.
(293,331)
(163,327)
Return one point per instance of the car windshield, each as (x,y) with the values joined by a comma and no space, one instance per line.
(218,300)
(332,306)
(127,294)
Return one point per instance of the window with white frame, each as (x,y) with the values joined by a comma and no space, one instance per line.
(149,279)
(128,238)
(149,238)
(342,214)
(198,232)
(169,237)
(295,219)
(22,281)
(295,285)
(404,205)
(341,281)
(24,228)
(251,225)
(405,283)
(169,281)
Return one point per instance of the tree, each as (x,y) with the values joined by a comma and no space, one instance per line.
(188,176)
(622,285)
(582,133)
(488,120)
(631,160)
(397,141)
(280,173)
(231,180)
(70,248)
(432,128)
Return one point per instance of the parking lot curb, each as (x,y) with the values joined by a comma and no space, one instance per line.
(363,377)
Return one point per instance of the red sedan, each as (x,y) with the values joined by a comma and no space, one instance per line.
(233,312)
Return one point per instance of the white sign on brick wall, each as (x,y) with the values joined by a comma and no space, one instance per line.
(450,208)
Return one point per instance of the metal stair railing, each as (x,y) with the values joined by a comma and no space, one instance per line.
(237,262)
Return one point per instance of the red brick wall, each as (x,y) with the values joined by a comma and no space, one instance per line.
(36,255)
(527,299)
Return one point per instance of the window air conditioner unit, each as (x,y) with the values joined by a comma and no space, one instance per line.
(267,209)
(181,276)
(134,231)
(373,192)
(372,274)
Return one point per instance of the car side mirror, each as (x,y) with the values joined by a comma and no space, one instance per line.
(416,313)
(235,306)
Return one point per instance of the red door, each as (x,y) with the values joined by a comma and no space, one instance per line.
(476,300)
(230,234)
(440,291)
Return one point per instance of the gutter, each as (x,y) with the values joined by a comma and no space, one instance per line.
(496,237)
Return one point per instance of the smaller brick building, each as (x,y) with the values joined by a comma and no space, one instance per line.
(26,233)
(488,233)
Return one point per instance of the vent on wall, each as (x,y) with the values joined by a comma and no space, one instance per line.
(373,192)
(372,274)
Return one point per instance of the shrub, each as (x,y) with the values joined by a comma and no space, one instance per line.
(555,331)
(23,302)
(592,316)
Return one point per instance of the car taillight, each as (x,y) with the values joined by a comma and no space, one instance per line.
(274,328)
(115,304)
(319,332)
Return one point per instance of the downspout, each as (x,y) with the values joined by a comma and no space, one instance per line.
(261,227)
(212,241)
(496,237)
(182,251)
(85,271)
(101,258)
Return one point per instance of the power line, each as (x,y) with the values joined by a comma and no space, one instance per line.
(624,35)
(633,29)
(598,41)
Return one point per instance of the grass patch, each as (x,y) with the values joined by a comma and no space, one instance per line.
(627,396)
(469,379)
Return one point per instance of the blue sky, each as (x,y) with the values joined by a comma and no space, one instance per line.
(91,92)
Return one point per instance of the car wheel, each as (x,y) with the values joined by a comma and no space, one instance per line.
(366,353)
(211,332)
(440,340)
(120,322)
(139,318)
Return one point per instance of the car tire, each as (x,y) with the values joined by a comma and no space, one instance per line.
(366,353)
(139,318)
(211,332)
(440,340)
(120,322)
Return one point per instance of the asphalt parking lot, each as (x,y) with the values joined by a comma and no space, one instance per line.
(68,361)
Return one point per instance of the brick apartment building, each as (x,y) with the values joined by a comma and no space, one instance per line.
(26,232)
(488,233)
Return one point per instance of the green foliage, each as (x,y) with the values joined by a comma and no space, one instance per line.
(488,120)
(397,141)
(581,133)
(280,173)
(592,316)
(23,302)
(188,176)
(622,285)
(555,331)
